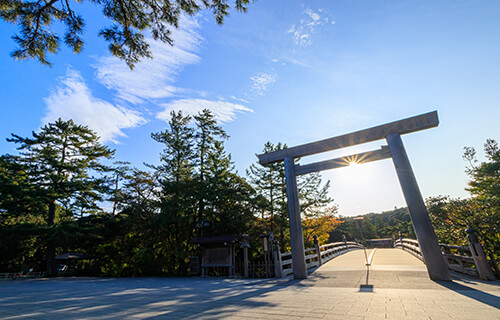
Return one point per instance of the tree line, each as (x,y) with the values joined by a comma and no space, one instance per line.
(65,192)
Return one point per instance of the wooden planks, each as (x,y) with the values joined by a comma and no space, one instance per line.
(364,157)
(404,126)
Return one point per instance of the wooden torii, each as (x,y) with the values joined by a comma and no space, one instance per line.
(391,132)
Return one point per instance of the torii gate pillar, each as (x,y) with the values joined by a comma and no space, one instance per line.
(427,240)
(296,236)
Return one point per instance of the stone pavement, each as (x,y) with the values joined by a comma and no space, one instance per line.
(340,289)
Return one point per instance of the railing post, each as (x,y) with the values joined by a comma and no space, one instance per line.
(245,246)
(318,250)
(480,260)
(345,241)
(277,260)
(401,240)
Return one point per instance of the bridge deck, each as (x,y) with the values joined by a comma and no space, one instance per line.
(333,291)
(389,268)
(382,259)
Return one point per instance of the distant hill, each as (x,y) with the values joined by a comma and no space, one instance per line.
(376,226)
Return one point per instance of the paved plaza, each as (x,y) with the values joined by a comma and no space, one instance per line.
(395,287)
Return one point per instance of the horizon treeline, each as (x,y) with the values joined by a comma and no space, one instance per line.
(65,192)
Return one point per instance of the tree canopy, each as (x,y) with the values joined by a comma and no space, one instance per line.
(481,212)
(62,193)
(126,34)
(57,172)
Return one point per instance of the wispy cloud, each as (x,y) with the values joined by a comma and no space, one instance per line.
(150,82)
(72,99)
(155,78)
(303,31)
(262,81)
(224,111)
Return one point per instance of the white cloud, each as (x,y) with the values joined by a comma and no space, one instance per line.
(224,111)
(315,16)
(302,32)
(72,99)
(239,99)
(153,78)
(261,81)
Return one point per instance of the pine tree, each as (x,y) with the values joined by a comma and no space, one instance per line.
(19,200)
(179,190)
(230,199)
(207,134)
(197,182)
(126,36)
(270,183)
(60,162)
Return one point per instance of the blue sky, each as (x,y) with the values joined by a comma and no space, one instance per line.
(292,72)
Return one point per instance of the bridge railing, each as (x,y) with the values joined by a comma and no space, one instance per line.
(459,259)
(469,260)
(409,245)
(317,255)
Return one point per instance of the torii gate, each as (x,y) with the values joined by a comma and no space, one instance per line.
(391,132)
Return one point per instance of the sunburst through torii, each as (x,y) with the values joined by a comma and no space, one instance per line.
(391,132)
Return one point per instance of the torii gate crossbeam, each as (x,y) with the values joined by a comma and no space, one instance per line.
(391,132)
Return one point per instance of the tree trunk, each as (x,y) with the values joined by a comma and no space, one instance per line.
(51,247)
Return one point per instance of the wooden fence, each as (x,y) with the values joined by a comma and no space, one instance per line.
(14,276)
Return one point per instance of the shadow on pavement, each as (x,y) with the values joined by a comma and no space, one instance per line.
(479,293)
(146,298)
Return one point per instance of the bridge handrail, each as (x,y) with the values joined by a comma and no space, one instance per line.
(410,245)
(459,258)
(313,259)
(451,247)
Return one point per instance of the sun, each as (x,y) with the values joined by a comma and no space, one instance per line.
(355,171)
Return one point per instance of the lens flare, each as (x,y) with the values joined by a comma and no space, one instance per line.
(353,163)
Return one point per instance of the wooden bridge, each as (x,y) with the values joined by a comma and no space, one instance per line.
(470,260)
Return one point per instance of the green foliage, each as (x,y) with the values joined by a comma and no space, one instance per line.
(61,164)
(158,210)
(19,198)
(377,226)
(272,203)
(130,19)
(485,178)
(450,218)
(481,212)
(56,174)
(51,196)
